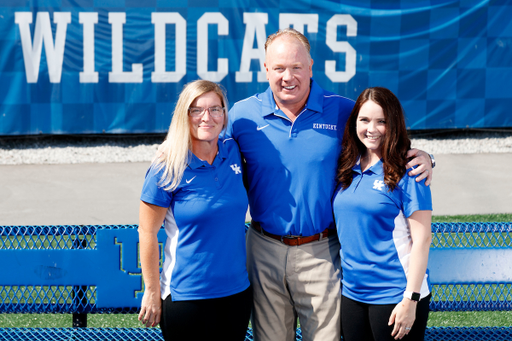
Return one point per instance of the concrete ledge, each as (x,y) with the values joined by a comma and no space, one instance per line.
(108,193)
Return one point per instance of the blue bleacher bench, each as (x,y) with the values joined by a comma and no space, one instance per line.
(92,269)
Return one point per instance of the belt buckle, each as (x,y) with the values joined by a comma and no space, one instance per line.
(289,237)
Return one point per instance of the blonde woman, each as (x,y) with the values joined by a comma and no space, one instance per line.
(195,187)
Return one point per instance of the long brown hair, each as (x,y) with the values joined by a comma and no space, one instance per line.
(395,145)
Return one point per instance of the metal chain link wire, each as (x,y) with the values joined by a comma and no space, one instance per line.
(60,299)
(52,299)
(472,297)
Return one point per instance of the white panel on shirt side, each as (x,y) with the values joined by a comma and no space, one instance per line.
(403,244)
(172,232)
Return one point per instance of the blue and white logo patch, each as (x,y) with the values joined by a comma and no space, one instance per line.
(236,168)
(378,185)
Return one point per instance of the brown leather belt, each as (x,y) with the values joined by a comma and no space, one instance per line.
(294,240)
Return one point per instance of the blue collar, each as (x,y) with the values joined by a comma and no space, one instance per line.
(194,162)
(376,169)
(315,100)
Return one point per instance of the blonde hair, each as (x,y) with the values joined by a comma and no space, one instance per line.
(176,149)
(291,32)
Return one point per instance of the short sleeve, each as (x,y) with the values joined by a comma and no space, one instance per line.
(416,196)
(152,192)
(229,128)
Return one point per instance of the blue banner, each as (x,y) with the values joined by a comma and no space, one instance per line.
(117,66)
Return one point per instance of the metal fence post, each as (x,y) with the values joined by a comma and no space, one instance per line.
(79,292)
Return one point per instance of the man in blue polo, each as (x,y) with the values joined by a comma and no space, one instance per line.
(290,137)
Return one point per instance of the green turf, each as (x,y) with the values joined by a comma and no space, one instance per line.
(475,218)
(66,321)
(441,319)
(470,319)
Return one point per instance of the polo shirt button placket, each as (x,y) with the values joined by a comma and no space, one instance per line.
(216,177)
(294,129)
(359,180)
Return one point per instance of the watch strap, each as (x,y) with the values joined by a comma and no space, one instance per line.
(432,160)
(413,296)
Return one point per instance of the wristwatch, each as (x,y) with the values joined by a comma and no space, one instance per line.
(432,160)
(413,296)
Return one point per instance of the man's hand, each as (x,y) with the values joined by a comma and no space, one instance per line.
(422,160)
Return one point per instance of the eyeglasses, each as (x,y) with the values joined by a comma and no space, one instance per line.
(199,112)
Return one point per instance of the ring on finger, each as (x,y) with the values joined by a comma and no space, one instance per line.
(407,328)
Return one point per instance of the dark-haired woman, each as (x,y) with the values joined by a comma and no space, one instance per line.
(383,220)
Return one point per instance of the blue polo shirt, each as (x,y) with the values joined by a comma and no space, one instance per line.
(290,167)
(205,247)
(374,235)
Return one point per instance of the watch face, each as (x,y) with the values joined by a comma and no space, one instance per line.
(415,296)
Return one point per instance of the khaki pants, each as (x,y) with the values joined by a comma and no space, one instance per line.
(294,281)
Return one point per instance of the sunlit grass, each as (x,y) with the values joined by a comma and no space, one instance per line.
(66,321)
(473,218)
(470,318)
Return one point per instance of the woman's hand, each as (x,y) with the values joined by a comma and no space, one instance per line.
(150,221)
(403,317)
(151,309)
